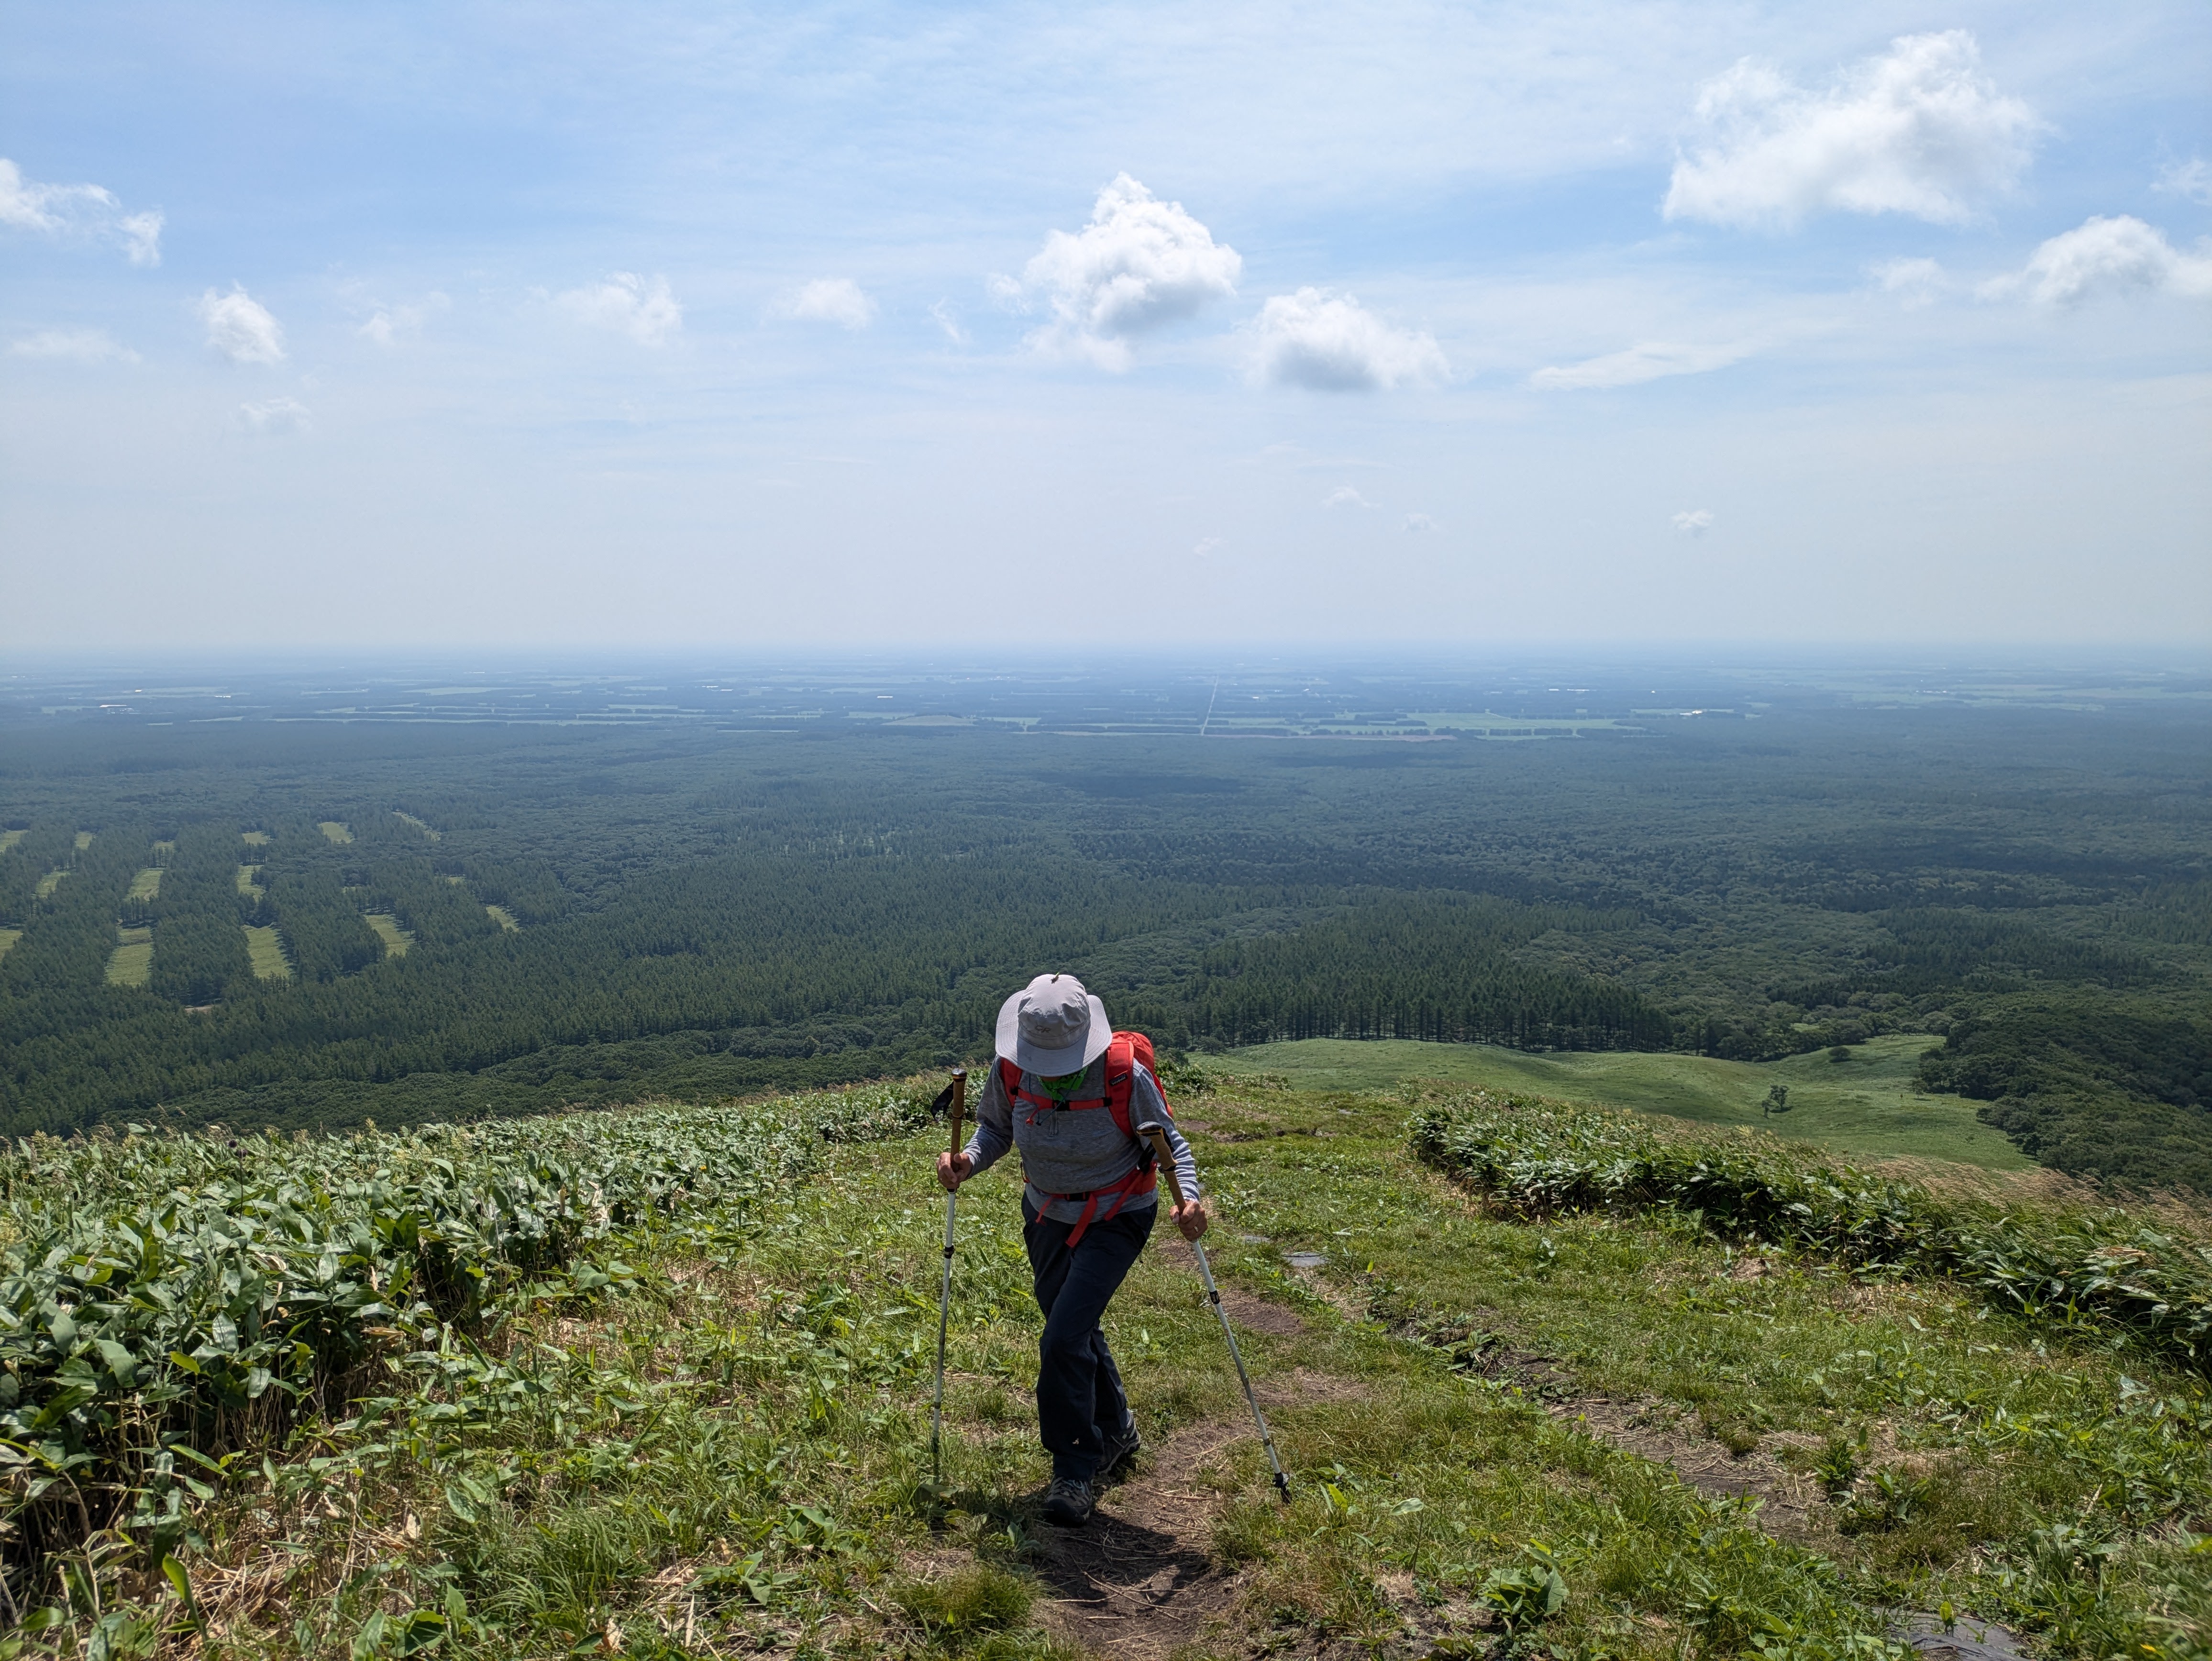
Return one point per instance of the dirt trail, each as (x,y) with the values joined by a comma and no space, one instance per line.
(1139,1580)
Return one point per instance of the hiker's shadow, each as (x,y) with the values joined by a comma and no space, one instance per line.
(1114,1563)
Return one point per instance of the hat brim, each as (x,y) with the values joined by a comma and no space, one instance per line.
(1051,1063)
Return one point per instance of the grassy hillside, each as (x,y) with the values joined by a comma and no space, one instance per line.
(1864,1107)
(1550,1431)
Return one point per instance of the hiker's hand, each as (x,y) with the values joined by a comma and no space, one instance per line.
(1190,1218)
(954,1169)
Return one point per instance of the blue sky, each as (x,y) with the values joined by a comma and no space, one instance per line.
(626,324)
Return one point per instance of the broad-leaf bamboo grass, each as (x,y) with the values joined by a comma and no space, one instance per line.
(167,1303)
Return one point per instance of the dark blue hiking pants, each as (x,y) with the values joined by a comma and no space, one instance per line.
(1080,1400)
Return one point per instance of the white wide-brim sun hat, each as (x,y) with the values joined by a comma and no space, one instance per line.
(1052,1027)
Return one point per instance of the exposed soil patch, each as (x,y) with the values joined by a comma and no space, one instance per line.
(1255,1314)
(1139,1580)
(1793,1507)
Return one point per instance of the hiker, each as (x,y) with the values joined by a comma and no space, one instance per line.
(1069,1092)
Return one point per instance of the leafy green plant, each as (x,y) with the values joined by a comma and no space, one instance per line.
(168,1303)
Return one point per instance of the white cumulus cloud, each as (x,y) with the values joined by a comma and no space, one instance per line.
(1648,362)
(81,345)
(627,304)
(1420,523)
(241,328)
(77,211)
(1330,342)
(2119,255)
(837,299)
(1693,521)
(1138,264)
(277,415)
(1345,496)
(1919,130)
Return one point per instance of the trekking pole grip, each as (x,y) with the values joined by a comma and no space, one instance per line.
(1152,1132)
(959,1105)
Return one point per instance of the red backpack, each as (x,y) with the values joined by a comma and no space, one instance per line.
(1121,1055)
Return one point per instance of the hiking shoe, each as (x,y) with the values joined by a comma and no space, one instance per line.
(1121,1448)
(1068,1501)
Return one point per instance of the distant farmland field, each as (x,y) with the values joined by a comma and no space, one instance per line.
(146,884)
(50,882)
(396,940)
(330,828)
(502,917)
(131,963)
(267,951)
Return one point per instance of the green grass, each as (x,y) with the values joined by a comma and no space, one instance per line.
(9,838)
(730,1456)
(396,940)
(410,819)
(255,838)
(266,951)
(8,938)
(146,884)
(330,827)
(131,963)
(50,882)
(249,881)
(83,840)
(1865,1107)
(502,917)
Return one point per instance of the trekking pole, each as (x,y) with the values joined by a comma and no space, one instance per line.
(1152,1131)
(955,1097)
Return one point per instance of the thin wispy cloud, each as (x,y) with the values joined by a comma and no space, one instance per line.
(1650,361)
(2103,258)
(2191,181)
(89,212)
(948,320)
(1420,524)
(276,415)
(1693,521)
(1205,546)
(1329,343)
(74,346)
(241,328)
(837,299)
(625,303)
(1139,264)
(1915,282)
(388,325)
(1345,496)
(1919,130)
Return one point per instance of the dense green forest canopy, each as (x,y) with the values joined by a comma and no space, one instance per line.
(435,898)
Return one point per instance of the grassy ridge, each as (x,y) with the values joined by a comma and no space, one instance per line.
(1868,1105)
(720,1449)
(2107,1270)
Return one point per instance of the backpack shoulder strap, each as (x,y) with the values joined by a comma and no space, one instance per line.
(1120,1091)
(1010,1080)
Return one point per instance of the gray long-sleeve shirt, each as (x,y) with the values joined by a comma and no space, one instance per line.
(1075,1151)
